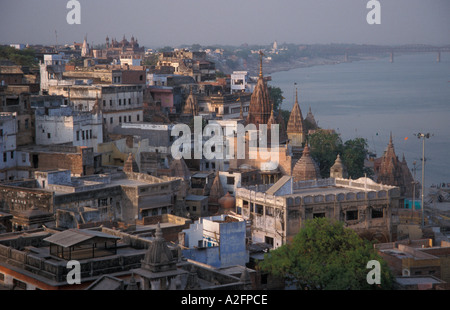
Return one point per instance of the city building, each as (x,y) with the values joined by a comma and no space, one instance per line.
(119,196)
(218,241)
(417,258)
(241,82)
(118,103)
(63,125)
(8,145)
(193,64)
(51,70)
(278,211)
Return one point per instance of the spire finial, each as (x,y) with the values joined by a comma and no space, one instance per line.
(260,63)
(241,110)
(158,232)
(296,95)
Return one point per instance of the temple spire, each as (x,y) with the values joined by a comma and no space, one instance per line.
(241,112)
(260,64)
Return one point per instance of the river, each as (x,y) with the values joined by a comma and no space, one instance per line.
(372,98)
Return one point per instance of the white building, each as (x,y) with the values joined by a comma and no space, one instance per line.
(51,70)
(122,103)
(8,133)
(241,82)
(130,60)
(63,125)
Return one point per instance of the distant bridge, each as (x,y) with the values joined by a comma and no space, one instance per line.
(369,49)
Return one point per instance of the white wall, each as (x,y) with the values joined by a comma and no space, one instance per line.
(62,127)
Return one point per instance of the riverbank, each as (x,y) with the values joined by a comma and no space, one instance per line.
(271,67)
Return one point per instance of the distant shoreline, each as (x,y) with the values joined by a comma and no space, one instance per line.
(312,63)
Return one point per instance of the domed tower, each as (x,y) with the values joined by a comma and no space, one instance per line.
(159,257)
(338,170)
(306,168)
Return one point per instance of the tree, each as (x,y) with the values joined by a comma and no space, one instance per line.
(325,146)
(326,255)
(354,153)
(276,95)
(25,57)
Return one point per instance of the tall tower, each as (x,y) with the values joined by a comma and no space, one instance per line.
(85,48)
(260,107)
(295,128)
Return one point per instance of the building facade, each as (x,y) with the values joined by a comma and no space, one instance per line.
(277,212)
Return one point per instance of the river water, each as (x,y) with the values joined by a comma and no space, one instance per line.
(372,98)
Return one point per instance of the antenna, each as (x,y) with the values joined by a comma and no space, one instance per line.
(56,36)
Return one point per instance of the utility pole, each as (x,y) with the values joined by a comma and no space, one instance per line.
(423,136)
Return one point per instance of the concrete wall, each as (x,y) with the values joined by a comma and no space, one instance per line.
(216,242)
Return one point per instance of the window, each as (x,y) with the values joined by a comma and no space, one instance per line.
(104,103)
(82,134)
(317,215)
(19,284)
(78,135)
(137,117)
(230,180)
(26,123)
(90,133)
(377,213)
(351,215)
(129,101)
(120,119)
(129,118)
(4,157)
(110,120)
(268,240)
(259,209)
(110,102)
(49,135)
(12,154)
(120,101)
(18,125)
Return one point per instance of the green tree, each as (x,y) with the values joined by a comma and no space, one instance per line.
(354,153)
(276,95)
(325,146)
(25,57)
(326,255)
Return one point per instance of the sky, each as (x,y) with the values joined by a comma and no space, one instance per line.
(226,22)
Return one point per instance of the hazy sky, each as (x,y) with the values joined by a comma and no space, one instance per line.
(176,22)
